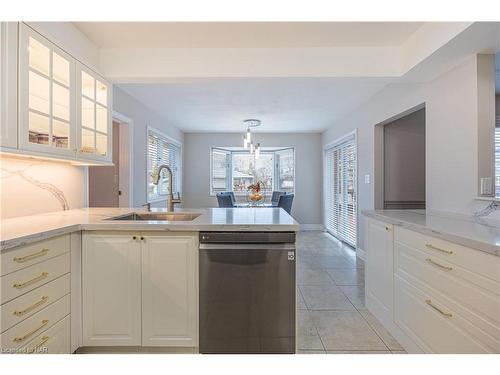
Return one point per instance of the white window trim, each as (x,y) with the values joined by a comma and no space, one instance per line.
(230,172)
(175,142)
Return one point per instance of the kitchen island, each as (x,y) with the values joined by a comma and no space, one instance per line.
(98,279)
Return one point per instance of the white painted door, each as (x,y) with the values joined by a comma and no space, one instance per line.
(8,84)
(379,268)
(111,285)
(170,290)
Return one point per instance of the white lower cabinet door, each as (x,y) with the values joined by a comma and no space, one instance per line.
(379,268)
(170,290)
(111,285)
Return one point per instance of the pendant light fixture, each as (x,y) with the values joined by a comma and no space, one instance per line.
(247,139)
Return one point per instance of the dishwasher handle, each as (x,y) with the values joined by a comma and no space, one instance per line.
(247,246)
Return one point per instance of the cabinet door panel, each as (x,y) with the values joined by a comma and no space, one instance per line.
(8,84)
(111,278)
(46,96)
(170,291)
(379,267)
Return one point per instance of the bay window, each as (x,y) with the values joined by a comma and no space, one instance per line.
(234,169)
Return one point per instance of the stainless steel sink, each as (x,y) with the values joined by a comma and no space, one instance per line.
(157,216)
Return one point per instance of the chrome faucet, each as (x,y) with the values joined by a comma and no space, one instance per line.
(170,196)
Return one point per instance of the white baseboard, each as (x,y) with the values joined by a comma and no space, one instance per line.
(305,227)
(360,253)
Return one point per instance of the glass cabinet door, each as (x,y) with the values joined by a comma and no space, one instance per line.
(46,106)
(94,115)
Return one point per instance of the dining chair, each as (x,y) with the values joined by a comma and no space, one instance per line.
(275,198)
(285,202)
(224,200)
(231,194)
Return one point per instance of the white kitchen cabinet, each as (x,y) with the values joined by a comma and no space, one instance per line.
(111,289)
(47,113)
(379,269)
(169,290)
(94,123)
(140,289)
(8,84)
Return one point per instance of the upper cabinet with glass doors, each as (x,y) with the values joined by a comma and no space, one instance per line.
(64,107)
(94,115)
(46,96)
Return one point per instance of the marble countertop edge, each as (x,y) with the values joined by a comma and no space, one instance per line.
(457,230)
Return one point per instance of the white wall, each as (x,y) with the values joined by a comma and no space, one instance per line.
(451,138)
(307,208)
(142,117)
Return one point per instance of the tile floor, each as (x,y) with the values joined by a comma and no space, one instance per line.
(332,317)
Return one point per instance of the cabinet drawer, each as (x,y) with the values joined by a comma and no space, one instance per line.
(434,326)
(474,292)
(20,282)
(28,304)
(25,256)
(472,260)
(25,331)
(55,340)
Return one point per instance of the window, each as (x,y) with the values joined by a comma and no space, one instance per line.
(235,169)
(163,150)
(340,188)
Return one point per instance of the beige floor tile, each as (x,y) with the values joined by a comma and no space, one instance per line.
(321,261)
(310,276)
(307,334)
(355,294)
(352,276)
(390,341)
(325,297)
(301,305)
(345,330)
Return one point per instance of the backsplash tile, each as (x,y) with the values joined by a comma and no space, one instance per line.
(30,186)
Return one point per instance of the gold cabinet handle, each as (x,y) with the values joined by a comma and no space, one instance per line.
(445,314)
(29,334)
(34,306)
(42,276)
(439,265)
(41,343)
(429,246)
(41,253)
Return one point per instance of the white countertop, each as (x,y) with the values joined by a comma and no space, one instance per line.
(22,230)
(462,230)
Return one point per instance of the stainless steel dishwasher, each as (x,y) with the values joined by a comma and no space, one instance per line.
(247,292)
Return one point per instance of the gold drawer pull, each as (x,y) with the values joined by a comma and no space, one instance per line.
(429,302)
(44,341)
(41,253)
(429,246)
(29,334)
(439,265)
(42,276)
(34,306)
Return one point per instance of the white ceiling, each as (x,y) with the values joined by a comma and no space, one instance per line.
(246,34)
(283,104)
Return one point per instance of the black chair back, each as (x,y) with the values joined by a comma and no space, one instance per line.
(275,198)
(285,202)
(224,200)
(231,194)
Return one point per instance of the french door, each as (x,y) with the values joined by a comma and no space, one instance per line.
(341,190)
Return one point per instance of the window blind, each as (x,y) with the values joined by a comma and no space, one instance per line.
(341,195)
(162,150)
